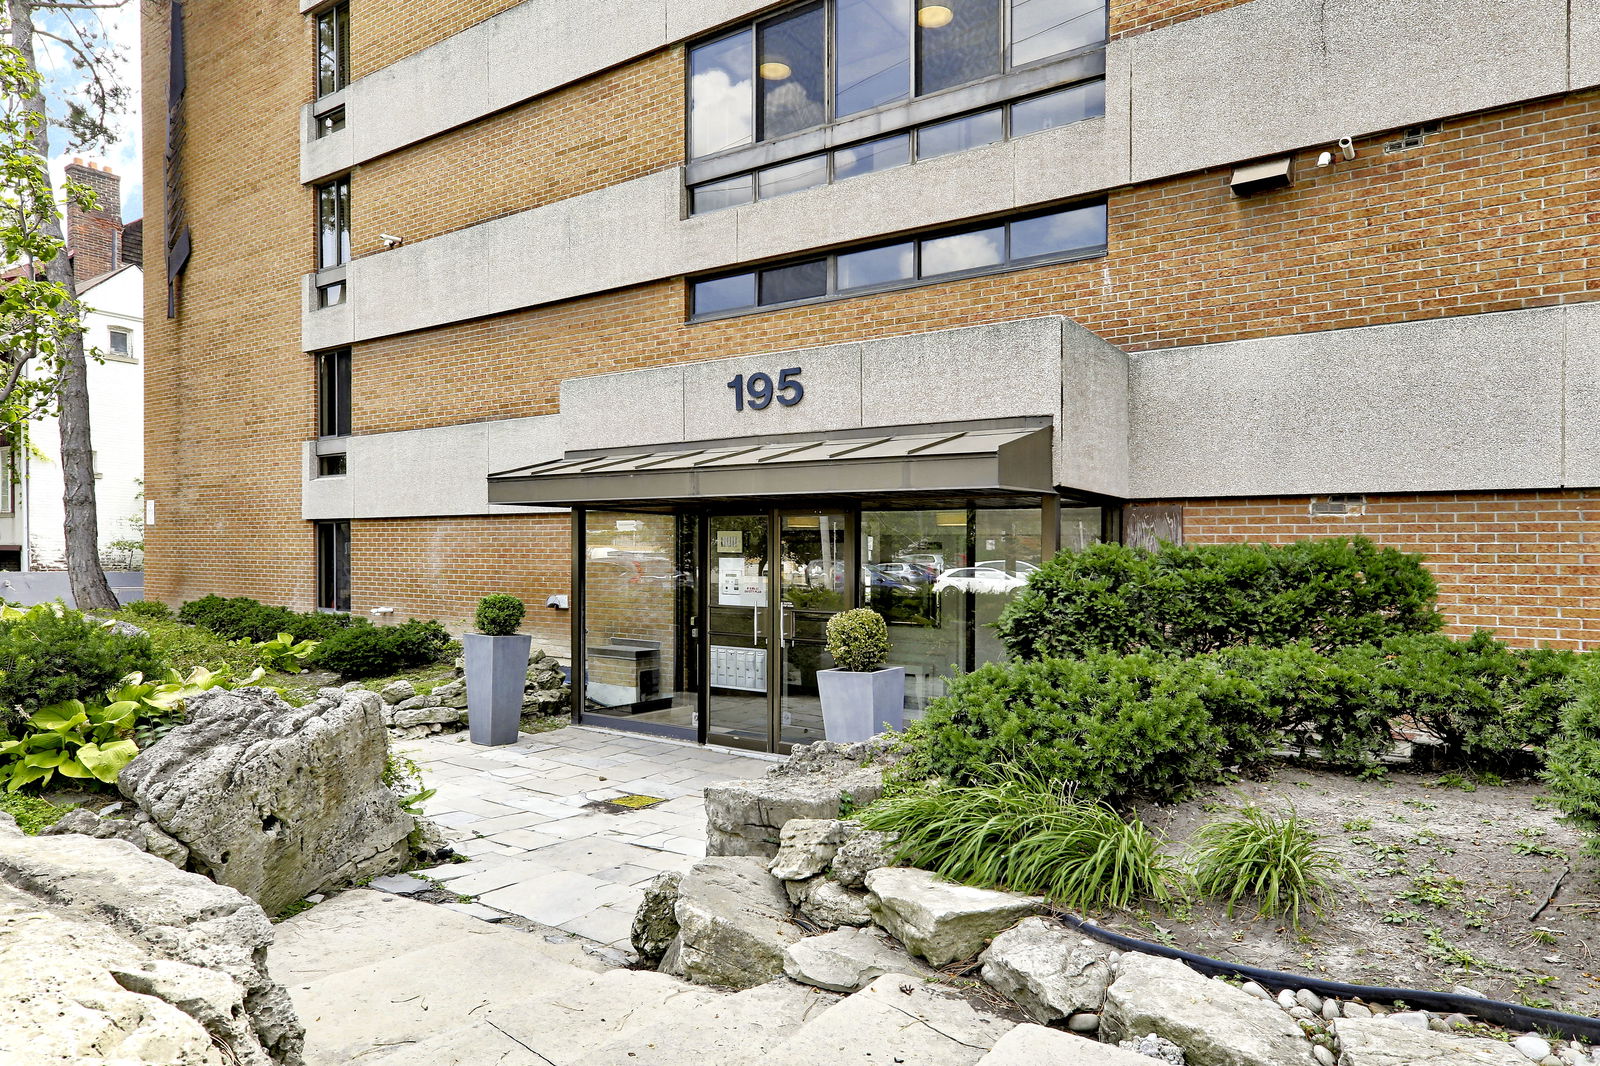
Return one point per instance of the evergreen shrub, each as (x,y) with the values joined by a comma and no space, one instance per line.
(50,655)
(1188,600)
(1572,768)
(375,651)
(148,609)
(240,617)
(499,614)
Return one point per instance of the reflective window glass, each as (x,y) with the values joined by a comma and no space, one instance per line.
(729,192)
(330,295)
(333,49)
(964,251)
(872,58)
(792,177)
(721,94)
(1044,28)
(801,281)
(877,266)
(873,155)
(1058,109)
(724,294)
(959,134)
(791,64)
(1063,231)
(333,223)
(957,41)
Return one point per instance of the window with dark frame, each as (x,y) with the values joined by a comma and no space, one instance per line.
(1059,235)
(333,565)
(333,408)
(333,49)
(118,340)
(333,223)
(817,63)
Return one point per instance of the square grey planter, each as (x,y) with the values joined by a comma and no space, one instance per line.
(856,706)
(497,675)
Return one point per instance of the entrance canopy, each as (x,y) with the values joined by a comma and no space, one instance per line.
(1012,457)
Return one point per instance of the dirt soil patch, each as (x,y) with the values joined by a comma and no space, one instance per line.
(1436,888)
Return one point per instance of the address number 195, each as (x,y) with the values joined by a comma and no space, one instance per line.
(758,390)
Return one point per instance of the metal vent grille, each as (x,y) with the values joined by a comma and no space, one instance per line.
(1338,506)
(1412,137)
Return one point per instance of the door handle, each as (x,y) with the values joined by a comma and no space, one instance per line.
(755,626)
(788,622)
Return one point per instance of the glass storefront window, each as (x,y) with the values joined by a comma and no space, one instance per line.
(639,589)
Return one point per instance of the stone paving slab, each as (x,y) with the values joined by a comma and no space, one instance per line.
(521,814)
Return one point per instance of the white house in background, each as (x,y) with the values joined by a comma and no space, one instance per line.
(106,262)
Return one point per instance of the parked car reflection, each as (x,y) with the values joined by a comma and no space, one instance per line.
(986,579)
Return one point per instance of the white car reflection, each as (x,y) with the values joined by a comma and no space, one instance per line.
(979,579)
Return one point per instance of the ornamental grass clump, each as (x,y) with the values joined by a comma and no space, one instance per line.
(1277,861)
(1026,835)
(858,640)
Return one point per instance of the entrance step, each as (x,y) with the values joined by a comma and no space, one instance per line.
(897,1018)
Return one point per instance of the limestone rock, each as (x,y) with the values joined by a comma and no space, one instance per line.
(1034,1045)
(938,920)
(1047,971)
(733,919)
(831,905)
(165,914)
(806,847)
(136,828)
(745,817)
(863,851)
(1151,1046)
(425,714)
(397,692)
(276,801)
(1214,1023)
(1379,1042)
(897,1018)
(411,702)
(656,923)
(844,961)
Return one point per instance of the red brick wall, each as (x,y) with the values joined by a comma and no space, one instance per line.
(1130,17)
(93,236)
(1521,563)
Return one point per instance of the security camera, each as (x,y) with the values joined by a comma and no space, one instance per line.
(390,240)
(1348,147)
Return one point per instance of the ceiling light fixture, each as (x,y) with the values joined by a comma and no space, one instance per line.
(935,15)
(775,70)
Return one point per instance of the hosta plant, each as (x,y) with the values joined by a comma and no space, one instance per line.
(74,740)
(283,653)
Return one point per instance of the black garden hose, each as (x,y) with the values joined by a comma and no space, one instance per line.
(1509,1015)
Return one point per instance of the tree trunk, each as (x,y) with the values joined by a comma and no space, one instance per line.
(89,586)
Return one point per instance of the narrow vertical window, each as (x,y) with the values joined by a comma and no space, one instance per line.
(791,62)
(333,565)
(333,223)
(333,49)
(333,393)
(721,76)
(872,54)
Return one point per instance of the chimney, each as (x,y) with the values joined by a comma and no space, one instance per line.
(94,237)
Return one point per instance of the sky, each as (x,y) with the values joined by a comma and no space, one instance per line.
(122,27)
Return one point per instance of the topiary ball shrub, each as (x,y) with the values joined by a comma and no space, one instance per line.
(1188,600)
(499,614)
(1113,727)
(858,640)
(47,658)
(376,651)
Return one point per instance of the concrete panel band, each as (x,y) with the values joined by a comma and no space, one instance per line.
(1474,403)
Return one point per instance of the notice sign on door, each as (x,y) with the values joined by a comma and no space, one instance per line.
(730,541)
(739,585)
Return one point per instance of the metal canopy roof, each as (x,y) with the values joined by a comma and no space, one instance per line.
(1009,459)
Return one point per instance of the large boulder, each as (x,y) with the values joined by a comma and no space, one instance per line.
(845,960)
(817,781)
(273,800)
(938,920)
(655,923)
(1215,1023)
(1047,971)
(1380,1042)
(733,923)
(162,935)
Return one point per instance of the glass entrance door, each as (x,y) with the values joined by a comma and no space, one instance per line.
(775,579)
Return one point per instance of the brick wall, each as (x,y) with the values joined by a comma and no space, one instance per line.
(1132,17)
(611,128)
(1494,213)
(386,31)
(1522,563)
(94,235)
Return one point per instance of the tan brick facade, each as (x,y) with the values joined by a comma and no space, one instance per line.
(386,31)
(1142,16)
(1522,563)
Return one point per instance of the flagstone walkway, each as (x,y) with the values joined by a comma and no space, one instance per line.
(541,841)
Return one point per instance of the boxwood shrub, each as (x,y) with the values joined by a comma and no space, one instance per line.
(240,617)
(47,658)
(1194,599)
(374,651)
